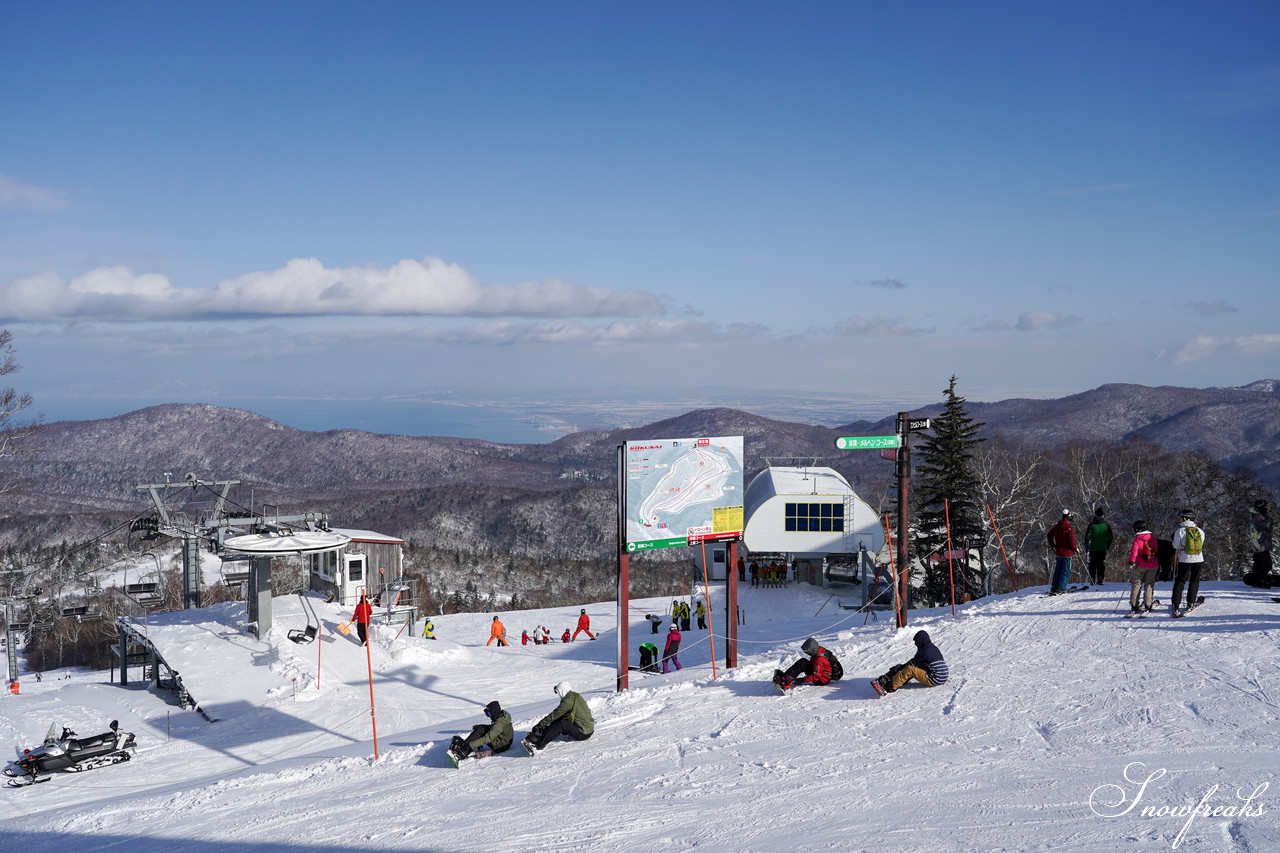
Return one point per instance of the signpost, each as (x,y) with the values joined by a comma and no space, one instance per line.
(868,442)
(894,447)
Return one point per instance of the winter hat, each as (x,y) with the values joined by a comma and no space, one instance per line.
(1186,513)
(493,709)
(1139,526)
(1066,512)
(1097,513)
(921,637)
(1260,506)
(562,689)
(810,647)
(584,610)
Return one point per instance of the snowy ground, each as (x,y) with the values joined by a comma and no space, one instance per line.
(1057,713)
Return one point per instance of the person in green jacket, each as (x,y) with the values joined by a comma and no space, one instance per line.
(571,718)
(1098,538)
(486,740)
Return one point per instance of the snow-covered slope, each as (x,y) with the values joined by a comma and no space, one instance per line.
(1063,727)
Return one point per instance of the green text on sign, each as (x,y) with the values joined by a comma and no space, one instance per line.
(867,442)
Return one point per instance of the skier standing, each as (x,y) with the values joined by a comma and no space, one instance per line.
(1188,543)
(429,629)
(571,718)
(364,611)
(1062,539)
(497,631)
(671,649)
(701,612)
(584,625)
(1143,567)
(1098,538)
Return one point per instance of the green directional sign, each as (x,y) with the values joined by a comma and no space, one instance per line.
(867,442)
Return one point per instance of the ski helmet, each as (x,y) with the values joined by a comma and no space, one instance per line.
(810,646)
(563,688)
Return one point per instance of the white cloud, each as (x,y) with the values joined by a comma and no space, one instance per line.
(1034,320)
(889,283)
(305,287)
(16,195)
(1206,346)
(855,326)
(617,334)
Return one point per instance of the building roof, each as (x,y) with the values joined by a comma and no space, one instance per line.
(367,536)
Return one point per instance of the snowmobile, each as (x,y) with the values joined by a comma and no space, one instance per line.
(63,749)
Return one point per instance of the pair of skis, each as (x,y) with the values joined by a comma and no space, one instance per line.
(1067,590)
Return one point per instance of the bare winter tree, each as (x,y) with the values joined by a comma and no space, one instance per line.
(17,436)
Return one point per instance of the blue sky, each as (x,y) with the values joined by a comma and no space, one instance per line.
(216,200)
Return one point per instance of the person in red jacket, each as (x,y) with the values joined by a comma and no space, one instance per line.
(364,611)
(817,668)
(584,625)
(564,638)
(1062,539)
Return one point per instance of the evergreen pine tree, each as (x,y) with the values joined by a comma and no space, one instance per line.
(947,486)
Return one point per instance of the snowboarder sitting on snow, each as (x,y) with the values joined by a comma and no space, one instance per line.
(564,638)
(486,740)
(820,667)
(927,667)
(571,718)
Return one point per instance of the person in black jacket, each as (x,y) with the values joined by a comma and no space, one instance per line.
(927,667)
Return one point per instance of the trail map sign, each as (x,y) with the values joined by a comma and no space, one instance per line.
(682,490)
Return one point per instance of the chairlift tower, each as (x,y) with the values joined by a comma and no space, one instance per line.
(213,526)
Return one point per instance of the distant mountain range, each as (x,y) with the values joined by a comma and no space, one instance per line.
(540,499)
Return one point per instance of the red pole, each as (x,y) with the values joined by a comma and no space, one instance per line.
(373,713)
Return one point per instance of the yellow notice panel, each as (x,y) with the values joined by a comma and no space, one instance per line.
(726,519)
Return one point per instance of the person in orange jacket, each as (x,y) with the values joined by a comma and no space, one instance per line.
(584,625)
(497,631)
(364,611)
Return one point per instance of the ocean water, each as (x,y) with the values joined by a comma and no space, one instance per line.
(391,417)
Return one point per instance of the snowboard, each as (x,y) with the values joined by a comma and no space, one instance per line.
(875,685)
(528,747)
(779,683)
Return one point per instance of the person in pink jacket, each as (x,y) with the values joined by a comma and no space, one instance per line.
(1143,567)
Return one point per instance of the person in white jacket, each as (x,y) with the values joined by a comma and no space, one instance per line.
(1188,546)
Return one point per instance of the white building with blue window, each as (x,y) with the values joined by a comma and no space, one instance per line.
(808,514)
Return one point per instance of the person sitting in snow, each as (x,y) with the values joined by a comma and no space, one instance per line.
(485,740)
(820,667)
(571,718)
(564,638)
(927,667)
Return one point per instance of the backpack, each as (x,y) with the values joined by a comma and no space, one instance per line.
(1147,550)
(837,671)
(1193,541)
